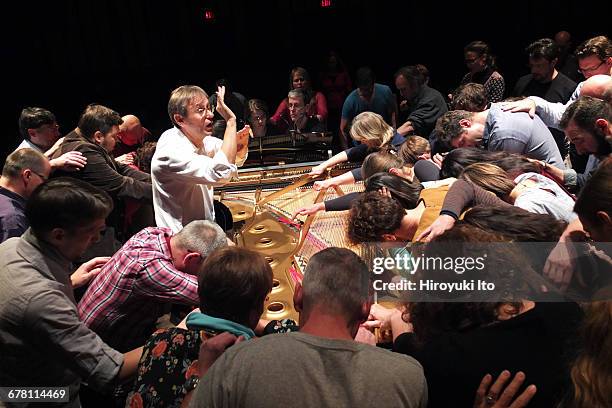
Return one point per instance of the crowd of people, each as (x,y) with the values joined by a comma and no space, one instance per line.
(110,236)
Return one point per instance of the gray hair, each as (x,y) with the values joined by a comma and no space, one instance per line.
(338,279)
(201,236)
(297,93)
(22,159)
(180,98)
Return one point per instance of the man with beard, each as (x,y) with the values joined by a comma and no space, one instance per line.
(545,81)
(424,105)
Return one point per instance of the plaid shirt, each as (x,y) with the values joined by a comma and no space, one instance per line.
(134,288)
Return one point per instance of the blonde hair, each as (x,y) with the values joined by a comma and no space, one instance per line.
(371,126)
(490,177)
(412,148)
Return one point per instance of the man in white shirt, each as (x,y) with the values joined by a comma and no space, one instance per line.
(188,161)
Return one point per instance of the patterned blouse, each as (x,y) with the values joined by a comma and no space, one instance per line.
(492,81)
(168,368)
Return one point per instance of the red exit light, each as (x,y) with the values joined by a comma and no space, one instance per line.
(326,3)
(209,15)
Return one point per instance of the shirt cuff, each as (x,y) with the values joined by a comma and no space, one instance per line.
(449,213)
(570,178)
(104,375)
(539,102)
(221,160)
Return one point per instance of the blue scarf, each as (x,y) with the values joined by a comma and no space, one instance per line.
(201,321)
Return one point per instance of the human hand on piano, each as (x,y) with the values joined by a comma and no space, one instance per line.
(316,171)
(380,317)
(388,318)
(312,209)
(442,223)
(365,336)
(323,184)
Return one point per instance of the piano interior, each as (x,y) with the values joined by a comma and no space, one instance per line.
(262,201)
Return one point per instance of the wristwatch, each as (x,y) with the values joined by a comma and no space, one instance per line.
(191,383)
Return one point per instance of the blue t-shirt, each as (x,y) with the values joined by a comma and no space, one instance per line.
(383,103)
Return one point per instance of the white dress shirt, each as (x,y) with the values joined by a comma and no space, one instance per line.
(551,113)
(183,177)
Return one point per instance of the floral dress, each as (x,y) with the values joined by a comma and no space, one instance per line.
(168,368)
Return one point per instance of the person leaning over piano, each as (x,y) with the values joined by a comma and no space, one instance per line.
(373,133)
(95,137)
(188,161)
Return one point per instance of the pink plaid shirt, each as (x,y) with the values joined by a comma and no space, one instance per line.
(134,288)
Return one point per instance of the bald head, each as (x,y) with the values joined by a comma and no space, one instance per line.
(563,38)
(130,131)
(129,122)
(598,86)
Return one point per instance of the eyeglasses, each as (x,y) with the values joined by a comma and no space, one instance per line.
(210,108)
(43,177)
(540,65)
(585,70)
(45,128)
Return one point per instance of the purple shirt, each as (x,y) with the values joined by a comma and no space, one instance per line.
(13,222)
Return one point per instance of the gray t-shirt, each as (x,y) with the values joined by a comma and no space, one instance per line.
(297,369)
(519,133)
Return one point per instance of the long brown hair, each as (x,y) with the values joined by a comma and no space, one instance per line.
(380,162)
(414,147)
(490,177)
(515,223)
(591,372)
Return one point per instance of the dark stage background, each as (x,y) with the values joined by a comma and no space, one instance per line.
(129,54)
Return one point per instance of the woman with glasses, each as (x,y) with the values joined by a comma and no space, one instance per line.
(482,70)
(257,117)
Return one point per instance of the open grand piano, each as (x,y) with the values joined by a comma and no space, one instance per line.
(293,147)
(262,201)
